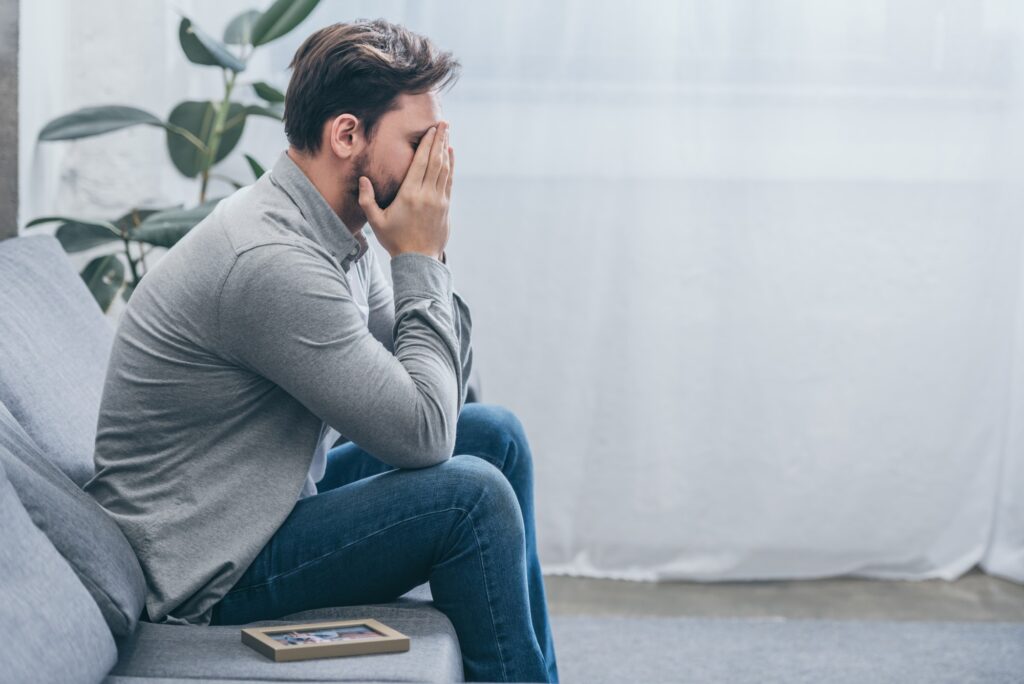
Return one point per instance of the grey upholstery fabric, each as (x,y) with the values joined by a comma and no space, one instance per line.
(417,595)
(417,602)
(77,526)
(117,679)
(55,344)
(50,628)
(216,652)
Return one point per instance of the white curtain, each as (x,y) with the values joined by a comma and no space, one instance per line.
(749,272)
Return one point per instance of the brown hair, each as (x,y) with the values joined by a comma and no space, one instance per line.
(359,68)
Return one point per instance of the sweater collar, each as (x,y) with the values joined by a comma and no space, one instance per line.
(322,225)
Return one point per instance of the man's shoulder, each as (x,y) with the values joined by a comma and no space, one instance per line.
(260,215)
(278,259)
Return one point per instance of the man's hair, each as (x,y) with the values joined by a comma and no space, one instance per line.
(359,68)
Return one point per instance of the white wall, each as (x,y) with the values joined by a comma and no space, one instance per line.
(748,272)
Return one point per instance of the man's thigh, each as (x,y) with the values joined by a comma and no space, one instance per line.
(369,541)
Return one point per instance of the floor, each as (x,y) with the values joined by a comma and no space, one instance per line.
(974,597)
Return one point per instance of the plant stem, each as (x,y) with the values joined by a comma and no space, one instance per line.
(187,135)
(128,254)
(217,132)
(131,262)
(142,253)
(142,258)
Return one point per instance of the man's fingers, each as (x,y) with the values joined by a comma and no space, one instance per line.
(436,156)
(446,165)
(414,176)
(368,202)
(451,171)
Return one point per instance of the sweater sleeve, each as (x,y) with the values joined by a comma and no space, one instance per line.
(382,320)
(464,326)
(288,315)
(382,305)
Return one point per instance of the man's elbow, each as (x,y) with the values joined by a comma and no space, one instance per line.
(420,459)
(426,436)
(423,453)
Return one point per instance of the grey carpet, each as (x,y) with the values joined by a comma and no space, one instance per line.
(766,650)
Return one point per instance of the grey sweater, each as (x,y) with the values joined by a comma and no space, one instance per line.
(235,350)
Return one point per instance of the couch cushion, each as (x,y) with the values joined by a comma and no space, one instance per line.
(54,345)
(50,628)
(78,527)
(216,652)
(118,679)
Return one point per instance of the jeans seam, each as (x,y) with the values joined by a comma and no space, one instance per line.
(333,551)
(487,592)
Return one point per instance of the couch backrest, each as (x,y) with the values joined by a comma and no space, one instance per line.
(72,643)
(77,526)
(54,348)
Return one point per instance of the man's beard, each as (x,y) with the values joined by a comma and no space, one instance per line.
(384,194)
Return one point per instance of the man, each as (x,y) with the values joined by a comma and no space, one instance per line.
(270,329)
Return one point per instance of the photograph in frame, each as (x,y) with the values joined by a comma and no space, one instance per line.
(324,639)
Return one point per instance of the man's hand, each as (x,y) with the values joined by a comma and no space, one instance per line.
(417,219)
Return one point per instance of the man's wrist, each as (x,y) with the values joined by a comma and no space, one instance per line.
(440,257)
(413,274)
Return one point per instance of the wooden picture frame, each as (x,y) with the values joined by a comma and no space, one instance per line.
(315,639)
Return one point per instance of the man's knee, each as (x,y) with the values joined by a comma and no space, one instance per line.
(498,426)
(482,490)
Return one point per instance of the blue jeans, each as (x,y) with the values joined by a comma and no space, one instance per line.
(373,532)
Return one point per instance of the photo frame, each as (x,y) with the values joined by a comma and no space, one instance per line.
(324,639)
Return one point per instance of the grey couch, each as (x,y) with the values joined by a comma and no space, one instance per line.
(72,589)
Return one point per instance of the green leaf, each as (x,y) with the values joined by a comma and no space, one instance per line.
(239,29)
(200,48)
(127,222)
(104,276)
(272,111)
(280,18)
(257,168)
(268,92)
(73,219)
(89,121)
(231,181)
(198,118)
(78,237)
(165,228)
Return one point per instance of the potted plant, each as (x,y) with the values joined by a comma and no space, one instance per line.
(199,135)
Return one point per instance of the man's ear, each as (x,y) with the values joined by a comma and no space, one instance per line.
(344,135)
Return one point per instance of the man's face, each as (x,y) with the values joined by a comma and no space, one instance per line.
(396,135)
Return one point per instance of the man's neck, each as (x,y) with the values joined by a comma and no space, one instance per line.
(323,179)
